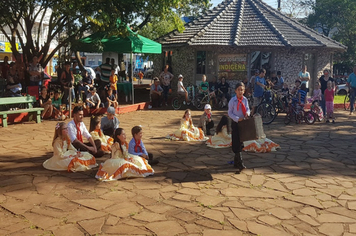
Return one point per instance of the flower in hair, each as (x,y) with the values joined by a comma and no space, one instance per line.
(57,126)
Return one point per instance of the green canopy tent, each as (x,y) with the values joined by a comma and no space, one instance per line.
(132,43)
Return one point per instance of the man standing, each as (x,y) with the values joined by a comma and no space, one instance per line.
(109,123)
(114,66)
(260,85)
(105,70)
(166,78)
(351,82)
(76,131)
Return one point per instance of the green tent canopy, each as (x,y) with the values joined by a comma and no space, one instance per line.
(133,43)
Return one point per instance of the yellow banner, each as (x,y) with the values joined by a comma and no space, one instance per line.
(6,47)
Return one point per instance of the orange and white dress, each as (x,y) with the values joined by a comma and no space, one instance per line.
(106,141)
(66,157)
(220,140)
(123,165)
(260,145)
(187,132)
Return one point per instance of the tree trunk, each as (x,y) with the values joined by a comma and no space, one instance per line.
(79,60)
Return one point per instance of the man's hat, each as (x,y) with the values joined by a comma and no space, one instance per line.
(207,107)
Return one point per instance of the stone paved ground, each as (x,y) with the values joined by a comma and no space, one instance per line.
(306,188)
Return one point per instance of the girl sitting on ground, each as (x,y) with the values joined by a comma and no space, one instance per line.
(122,164)
(97,133)
(222,137)
(187,131)
(45,101)
(65,156)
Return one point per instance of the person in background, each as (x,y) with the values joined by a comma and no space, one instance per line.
(224,89)
(329,101)
(67,81)
(13,86)
(260,85)
(156,93)
(181,89)
(351,82)
(57,103)
(105,71)
(324,79)
(86,84)
(74,68)
(35,72)
(5,67)
(278,84)
(204,85)
(140,75)
(110,122)
(114,66)
(113,83)
(111,99)
(304,77)
(166,78)
(45,101)
(93,99)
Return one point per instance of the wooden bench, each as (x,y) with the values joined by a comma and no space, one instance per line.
(28,100)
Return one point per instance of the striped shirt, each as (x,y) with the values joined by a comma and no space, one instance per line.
(105,72)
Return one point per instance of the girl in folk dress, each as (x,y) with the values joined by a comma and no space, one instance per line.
(222,137)
(65,156)
(187,131)
(97,133)
(122,164)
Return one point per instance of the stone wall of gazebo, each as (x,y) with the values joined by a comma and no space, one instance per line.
(289,62)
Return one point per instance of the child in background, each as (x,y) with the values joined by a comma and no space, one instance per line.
(65,156)
(203,86)
(222,137)
(111,99)
(181,89)
(45,101)
(113,83)
(93,99)
(57,103)
(302,94)
(329,101)
(285,94)
(140,75)
(296,87)
(206,122)
(136,146)
(122,164)
(97,133)
(316,93)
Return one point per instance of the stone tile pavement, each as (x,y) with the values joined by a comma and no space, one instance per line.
(306,188)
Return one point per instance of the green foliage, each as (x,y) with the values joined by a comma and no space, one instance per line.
(68,20)
(336,17)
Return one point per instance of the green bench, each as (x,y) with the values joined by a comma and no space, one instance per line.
(28,100)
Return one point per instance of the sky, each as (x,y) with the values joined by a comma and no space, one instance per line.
(272,3)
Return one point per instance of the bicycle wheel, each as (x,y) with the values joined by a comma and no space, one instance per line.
(309,117)
(176,103)
(198,103)
(347,102)
(267,112)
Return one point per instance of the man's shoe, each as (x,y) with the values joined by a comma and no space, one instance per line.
(238,162)
(153,162)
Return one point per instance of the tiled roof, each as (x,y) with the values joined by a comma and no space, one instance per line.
(247,23)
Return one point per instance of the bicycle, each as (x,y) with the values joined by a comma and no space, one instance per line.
(297,111)
(179,100)
(266,109)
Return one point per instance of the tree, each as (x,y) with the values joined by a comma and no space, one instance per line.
(336,19)
(69,19)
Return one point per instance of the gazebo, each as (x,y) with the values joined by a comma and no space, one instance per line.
(238,36)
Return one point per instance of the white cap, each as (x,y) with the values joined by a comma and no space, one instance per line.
(207,107)
(180,76)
